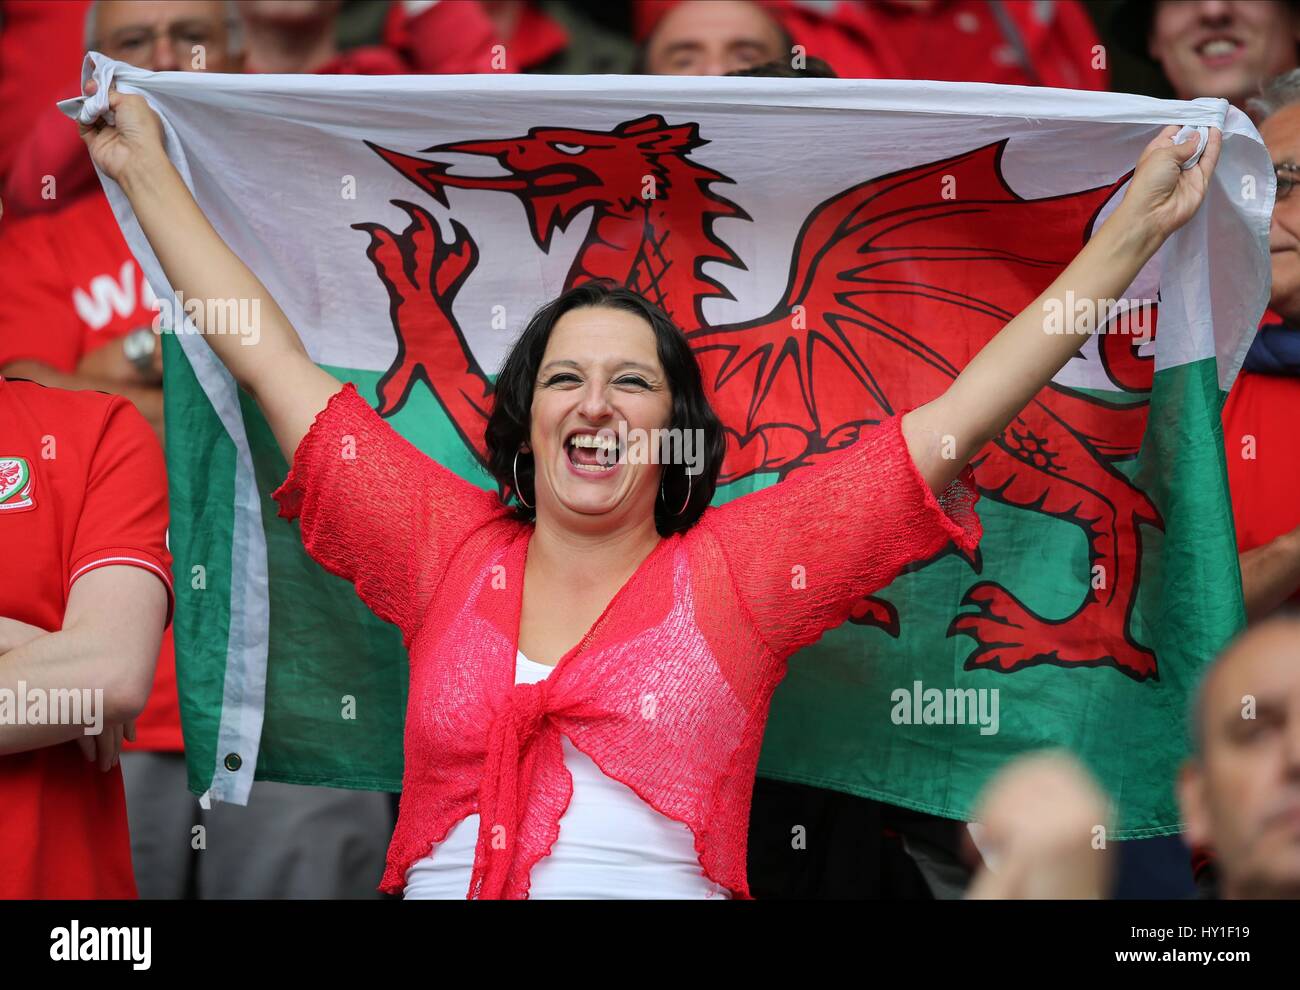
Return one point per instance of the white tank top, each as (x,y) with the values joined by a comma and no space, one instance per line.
(611,843)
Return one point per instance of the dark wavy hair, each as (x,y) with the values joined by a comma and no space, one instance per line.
(511,421)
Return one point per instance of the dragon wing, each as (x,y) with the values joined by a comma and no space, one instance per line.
(876,269)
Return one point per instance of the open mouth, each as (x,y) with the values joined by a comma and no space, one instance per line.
(1219,50)
(594,453)
(558,180)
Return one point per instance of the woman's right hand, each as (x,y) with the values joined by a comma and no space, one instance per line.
(133,142)
(266,357)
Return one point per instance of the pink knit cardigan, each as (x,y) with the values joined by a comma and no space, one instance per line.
(668,692)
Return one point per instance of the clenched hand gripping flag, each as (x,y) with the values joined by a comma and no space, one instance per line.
(835,250)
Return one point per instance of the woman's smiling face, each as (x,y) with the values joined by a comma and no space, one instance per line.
(600,378)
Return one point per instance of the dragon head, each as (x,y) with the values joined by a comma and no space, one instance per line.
(557,172)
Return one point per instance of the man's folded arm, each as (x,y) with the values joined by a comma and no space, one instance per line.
(111,633)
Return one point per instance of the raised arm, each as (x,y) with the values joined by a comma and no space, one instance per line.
(804,553)
(1011,368)
(268,361)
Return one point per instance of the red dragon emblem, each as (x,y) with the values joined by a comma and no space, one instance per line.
(874,270)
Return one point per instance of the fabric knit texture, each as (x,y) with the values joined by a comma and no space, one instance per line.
(669,690)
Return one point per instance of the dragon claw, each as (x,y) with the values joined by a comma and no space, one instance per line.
(1010,637)
(423,272)
(876,612)
(455,261)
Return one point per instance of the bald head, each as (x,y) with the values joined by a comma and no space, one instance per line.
(1240,794)
(1267,651)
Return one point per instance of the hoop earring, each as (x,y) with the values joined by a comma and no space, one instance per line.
(688,494)
(518,491)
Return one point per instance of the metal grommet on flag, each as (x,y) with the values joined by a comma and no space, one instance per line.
(233,762)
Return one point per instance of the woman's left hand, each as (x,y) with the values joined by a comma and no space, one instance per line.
(1162,195)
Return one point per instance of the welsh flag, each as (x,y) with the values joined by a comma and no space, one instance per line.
(835,250)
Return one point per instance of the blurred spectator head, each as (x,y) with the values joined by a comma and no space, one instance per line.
(811,67)
(166,35)
(1221,48)
(289,12)
(1240,792)
(302,36)
(713,38)
(1277,110)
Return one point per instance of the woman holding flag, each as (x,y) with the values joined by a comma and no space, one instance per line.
(590,671)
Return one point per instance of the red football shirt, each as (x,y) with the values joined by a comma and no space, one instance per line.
(1263,457)
(68,284)
(82,485)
